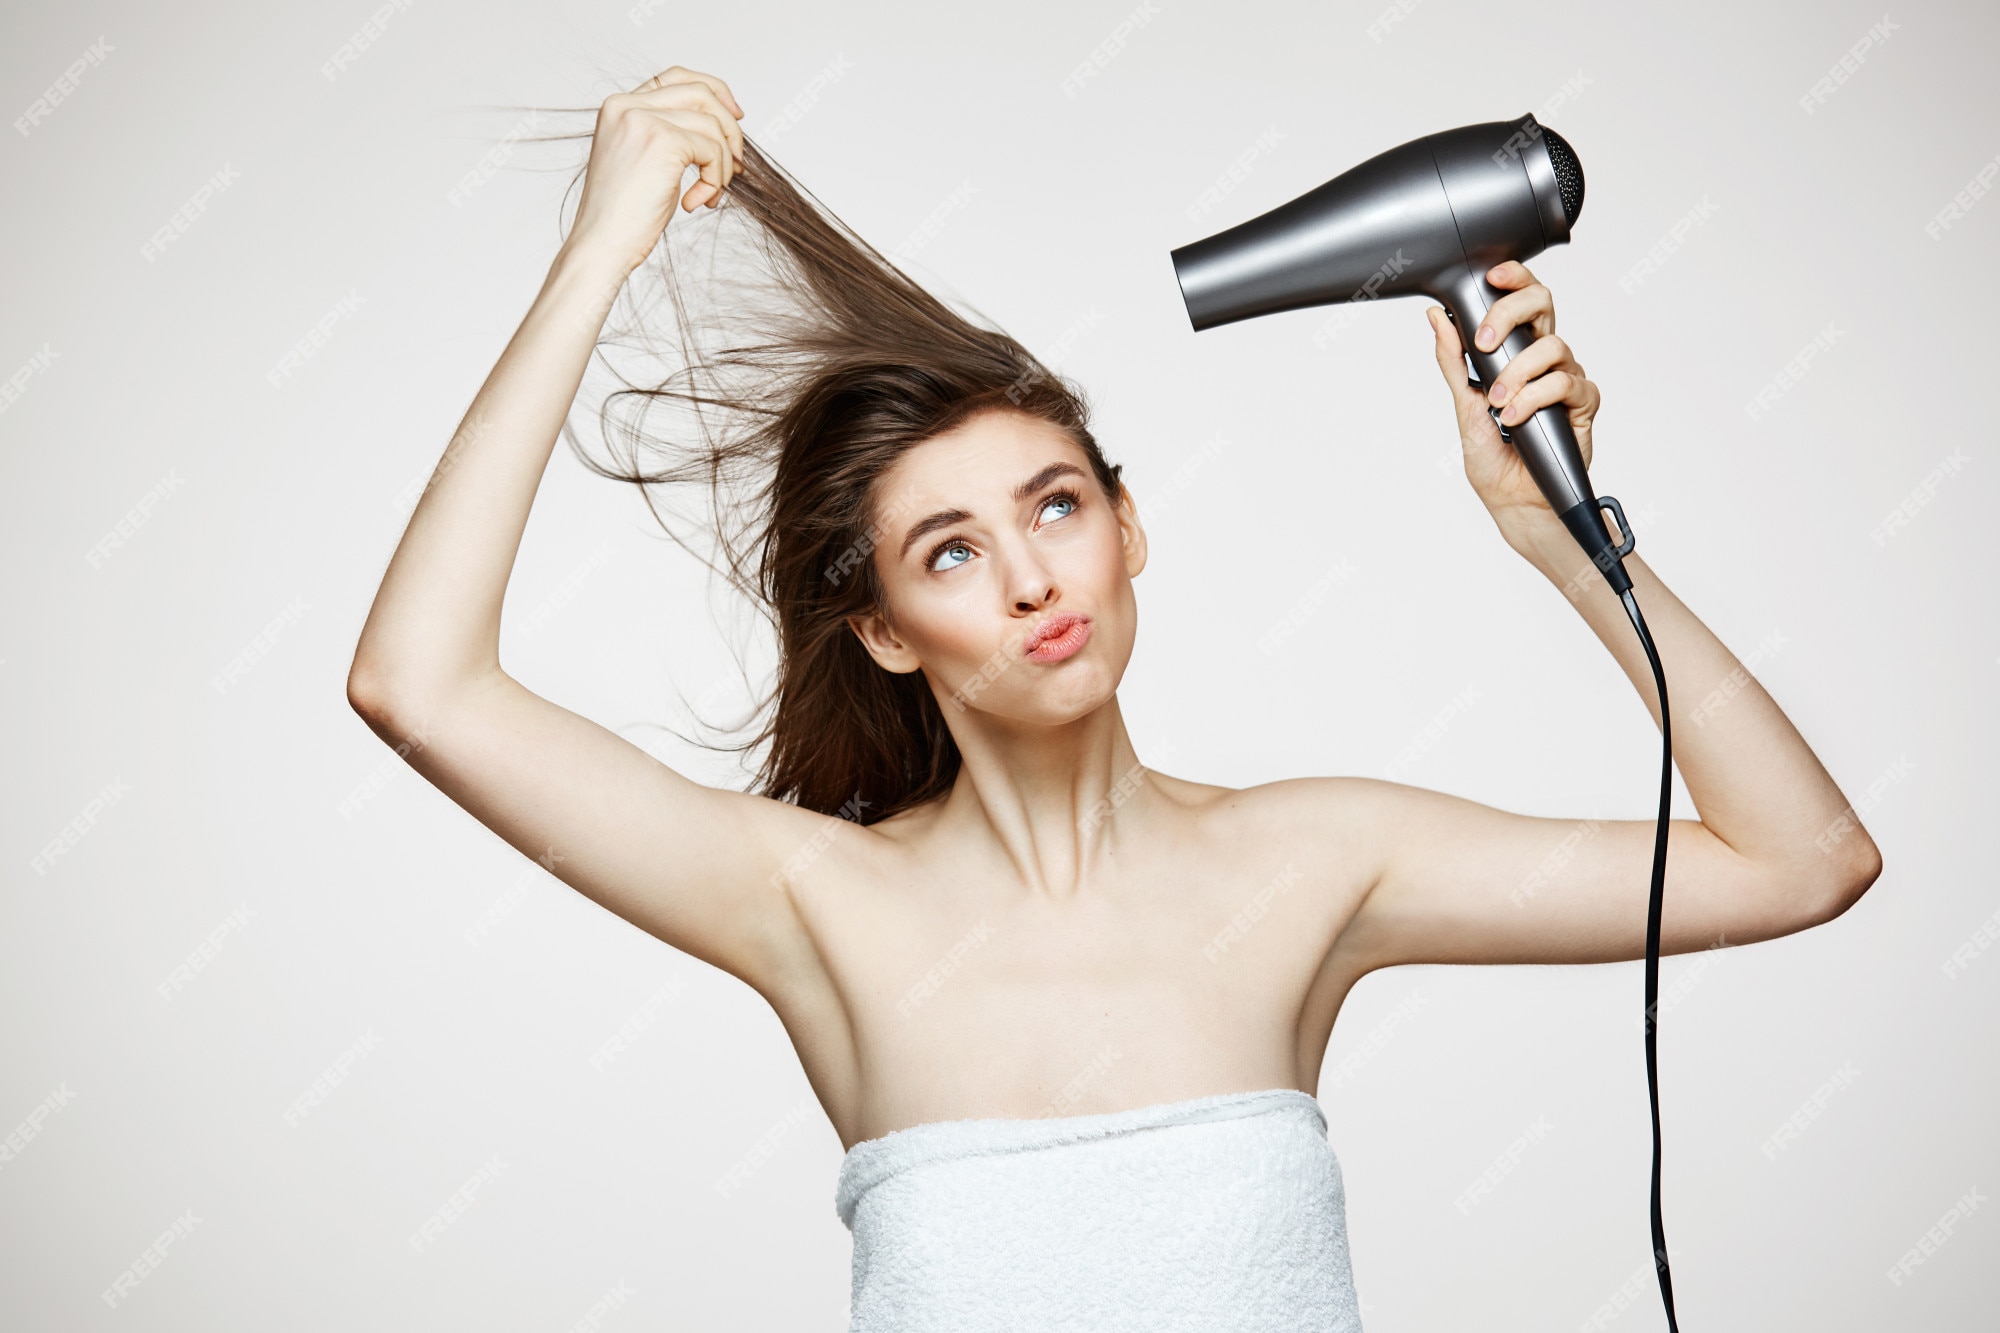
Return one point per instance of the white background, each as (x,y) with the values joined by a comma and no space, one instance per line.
(358,925)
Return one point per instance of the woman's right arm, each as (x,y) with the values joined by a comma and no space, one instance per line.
(694,865)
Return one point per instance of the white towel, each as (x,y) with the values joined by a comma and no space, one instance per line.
(1220,1213)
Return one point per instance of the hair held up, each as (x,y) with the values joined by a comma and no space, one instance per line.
(806,363)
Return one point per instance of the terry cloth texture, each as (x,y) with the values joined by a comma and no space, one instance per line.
(1220,1213)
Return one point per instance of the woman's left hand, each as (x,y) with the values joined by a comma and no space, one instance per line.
(1545,374)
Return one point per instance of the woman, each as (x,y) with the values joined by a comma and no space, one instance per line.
(1066,1012)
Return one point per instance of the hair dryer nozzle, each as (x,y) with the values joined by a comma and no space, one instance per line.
(1569,174)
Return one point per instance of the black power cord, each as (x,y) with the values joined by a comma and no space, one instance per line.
(1653,942)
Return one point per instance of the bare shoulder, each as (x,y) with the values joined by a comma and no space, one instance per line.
(1339,809)
(1321,832)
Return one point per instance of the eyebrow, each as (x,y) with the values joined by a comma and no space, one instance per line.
(944,518)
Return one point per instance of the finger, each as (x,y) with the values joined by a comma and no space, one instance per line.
(1451,361)
(705,151)
(1558,386)
(705,125)
(1533,305)
(698,97)
(1543,355)
(1510,274)
(682,74)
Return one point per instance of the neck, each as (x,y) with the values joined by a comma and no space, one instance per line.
(1054,802)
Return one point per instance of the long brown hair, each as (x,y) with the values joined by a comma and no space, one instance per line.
(808,363)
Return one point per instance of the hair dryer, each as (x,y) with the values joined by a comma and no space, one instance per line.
(1429,219)
(1426,219)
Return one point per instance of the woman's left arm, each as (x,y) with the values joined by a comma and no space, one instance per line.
(1777,847)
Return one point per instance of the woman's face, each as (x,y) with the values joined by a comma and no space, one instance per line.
(986,534)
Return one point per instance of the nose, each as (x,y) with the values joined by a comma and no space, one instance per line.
(1031,586)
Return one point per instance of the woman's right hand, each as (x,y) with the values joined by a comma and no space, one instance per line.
(644,143)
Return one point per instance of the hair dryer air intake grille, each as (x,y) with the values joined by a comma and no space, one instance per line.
(1569,173)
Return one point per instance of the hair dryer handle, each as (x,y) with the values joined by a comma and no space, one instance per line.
(1545,441)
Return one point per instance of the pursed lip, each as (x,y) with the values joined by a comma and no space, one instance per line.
(1053,627)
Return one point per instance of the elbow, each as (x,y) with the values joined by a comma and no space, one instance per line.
(1860,867)
(386,700)
(368,691)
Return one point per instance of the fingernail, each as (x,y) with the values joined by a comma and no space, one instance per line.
(1499,394)
(1485,338)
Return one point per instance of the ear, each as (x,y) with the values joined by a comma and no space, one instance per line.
(879,638)
(1132,535)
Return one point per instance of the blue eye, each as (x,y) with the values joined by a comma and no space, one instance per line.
(1064,496)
